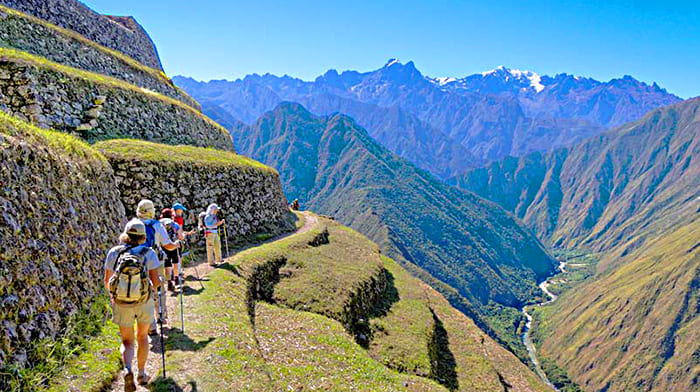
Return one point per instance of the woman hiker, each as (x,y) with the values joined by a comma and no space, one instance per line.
(130,276)
(211,234)
(172,257)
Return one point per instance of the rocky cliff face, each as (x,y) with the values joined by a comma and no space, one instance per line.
(55,189)
(97,107)
(123,34)
(250,195)
(33,35)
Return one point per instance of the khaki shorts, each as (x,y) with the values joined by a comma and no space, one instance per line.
(124,316)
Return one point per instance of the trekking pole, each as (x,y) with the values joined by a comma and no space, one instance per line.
(182,288)
(226,241)
(160,321)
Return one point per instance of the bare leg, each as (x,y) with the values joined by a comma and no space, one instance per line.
(127,348)
(142,337)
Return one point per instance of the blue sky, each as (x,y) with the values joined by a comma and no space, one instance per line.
(650,40)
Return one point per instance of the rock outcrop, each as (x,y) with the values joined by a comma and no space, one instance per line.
(123,34)
(63,98)
(54,190)
(33,35)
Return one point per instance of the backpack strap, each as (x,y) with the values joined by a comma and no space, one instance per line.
(123,250)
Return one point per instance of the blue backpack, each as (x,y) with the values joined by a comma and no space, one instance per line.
(150,234)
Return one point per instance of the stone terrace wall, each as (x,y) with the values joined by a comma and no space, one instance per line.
(127,37)
(30,34)
(251,198)
(95,107)
(53,237)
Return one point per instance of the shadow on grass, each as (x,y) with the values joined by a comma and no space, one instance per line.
(362,329)
(443,367)
(179,341)
(188,291)
(229,267)
(161,384)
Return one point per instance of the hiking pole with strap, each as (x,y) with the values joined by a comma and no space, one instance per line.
(160,321)
(226,241)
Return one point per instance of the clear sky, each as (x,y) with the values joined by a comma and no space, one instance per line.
(650,40)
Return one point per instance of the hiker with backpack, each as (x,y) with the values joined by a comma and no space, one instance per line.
(130,277)
(211,223)
(157,239)
(172,257)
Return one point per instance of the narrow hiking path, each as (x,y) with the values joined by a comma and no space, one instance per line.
(196,278)
(527,339)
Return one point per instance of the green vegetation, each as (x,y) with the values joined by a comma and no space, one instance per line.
(13,55)
(68,145)
(65,358)
(334,167)
(167,154)
(251,325)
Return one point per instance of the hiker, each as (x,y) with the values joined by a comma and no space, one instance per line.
(157,239)
(131,275)
(211,234)
(172,257)
(179,217)
(295,205)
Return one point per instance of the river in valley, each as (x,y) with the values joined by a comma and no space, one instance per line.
(527,340)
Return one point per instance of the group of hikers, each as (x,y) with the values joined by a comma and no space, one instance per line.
(136,271)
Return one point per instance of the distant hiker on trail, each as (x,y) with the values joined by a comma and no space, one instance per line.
(211,234)
(179,217)
(131,275)
(172,257)
(295,205)
(156,239)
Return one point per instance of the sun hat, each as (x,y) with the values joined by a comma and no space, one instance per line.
(135,227)
(145,209)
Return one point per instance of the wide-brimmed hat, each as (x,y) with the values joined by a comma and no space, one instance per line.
(179,206)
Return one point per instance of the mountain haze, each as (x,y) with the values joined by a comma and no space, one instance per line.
(447,125)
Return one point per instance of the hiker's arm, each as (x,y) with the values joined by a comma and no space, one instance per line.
(221,222)
(155,278)
(108,275)
(172,245)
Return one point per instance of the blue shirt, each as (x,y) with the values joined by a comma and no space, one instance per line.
(210,222)
(151,259)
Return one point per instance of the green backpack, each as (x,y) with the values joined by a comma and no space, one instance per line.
(130,284)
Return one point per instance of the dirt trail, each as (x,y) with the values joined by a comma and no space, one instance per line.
(193,275)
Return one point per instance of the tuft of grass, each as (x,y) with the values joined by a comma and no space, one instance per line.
(142,150)
(17,56)
(80,352)
(67,145)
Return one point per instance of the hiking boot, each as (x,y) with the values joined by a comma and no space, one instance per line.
(129,385)
(153,332)
(171,285)
(144,378)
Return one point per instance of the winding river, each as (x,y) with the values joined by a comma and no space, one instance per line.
(527,340)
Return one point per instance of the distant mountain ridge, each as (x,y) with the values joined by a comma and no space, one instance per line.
(334,167)
(447,125)
(632,194)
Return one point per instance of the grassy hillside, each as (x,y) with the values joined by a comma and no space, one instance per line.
(334,167)
(631,195)
(324,310)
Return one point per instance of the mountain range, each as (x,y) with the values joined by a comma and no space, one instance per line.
(630,196)
(463,241)
(445,125)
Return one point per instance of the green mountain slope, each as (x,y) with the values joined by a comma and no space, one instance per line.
(321,309)
(632,195)
(334,167)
